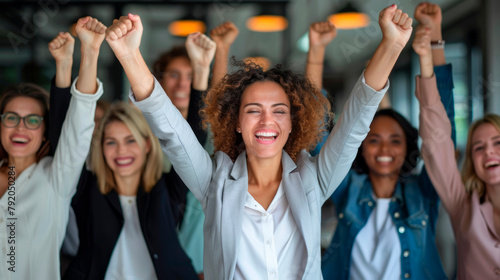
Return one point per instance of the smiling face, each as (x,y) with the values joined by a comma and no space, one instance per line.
(122,152)
(20,142)
(384,148)
(176,82)
(264,119)
(486,154)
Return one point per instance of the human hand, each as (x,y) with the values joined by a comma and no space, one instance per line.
(124,36)
(201,49)
(422,41)
(91,32)
(61,47)
(321,34)
(224,35)
(395,25)
(429,14)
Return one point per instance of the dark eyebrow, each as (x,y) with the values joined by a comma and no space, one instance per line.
(260,105)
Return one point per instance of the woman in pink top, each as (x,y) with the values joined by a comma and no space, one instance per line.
(472,199)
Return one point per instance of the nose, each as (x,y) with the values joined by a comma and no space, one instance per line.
(489,149)
(266,118)
(184,82)
(120,149)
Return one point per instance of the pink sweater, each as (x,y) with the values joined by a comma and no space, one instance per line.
(478,245)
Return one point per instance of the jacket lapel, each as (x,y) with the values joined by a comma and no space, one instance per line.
(114,201)
(297,200)
(487,213)
(234,194)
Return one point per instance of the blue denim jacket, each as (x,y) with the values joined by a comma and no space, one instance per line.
(413,208)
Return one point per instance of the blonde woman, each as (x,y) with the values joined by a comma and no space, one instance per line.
(126,215)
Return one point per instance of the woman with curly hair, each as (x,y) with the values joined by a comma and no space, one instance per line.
(261,192)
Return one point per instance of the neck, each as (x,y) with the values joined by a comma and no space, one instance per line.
(383,186)
(127,185)
(493,194)
(20,164)
(264,173)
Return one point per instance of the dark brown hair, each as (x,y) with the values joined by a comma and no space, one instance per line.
(308,107)
(161,63)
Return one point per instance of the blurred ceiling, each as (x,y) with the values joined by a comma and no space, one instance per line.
(27,26)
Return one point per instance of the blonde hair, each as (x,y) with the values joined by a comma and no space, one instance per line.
(134,120)
(471,181)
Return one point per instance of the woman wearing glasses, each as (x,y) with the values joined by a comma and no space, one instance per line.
(35,189)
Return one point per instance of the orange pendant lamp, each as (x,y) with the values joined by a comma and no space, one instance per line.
(349,18)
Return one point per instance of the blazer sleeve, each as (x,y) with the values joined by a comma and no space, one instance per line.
(59,104)
(178,141)
(337,154)
(438,149)
(74,143)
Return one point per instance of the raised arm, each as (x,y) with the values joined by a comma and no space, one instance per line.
(201,52)
(339,151)
(91,34)
(435,130)
(76,132)
(320,35)
(192,162)
(124,38)
(396,30)
(429,15)
(224,36)
(61,48)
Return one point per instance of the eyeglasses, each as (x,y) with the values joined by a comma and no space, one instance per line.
(11,119)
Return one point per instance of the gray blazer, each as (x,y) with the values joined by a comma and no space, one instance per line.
(221,184)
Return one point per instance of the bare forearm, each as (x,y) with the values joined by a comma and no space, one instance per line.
(87,77)
(380,66)
(438,57)
(200,77)
(426,67)
(140,78)
(314,66)
(63,73)
(220,65)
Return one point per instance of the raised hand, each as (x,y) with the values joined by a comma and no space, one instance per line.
(124,36)
(61,47)
(321,34)
(422,41)
(201,49)
(422,46)
(90,32)
(429,14)
(395,25)
(224,35)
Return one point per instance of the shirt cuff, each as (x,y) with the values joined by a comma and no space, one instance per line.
(87,96)
(152,103)
(368,95)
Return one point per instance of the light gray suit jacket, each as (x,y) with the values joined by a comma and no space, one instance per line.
(221,184)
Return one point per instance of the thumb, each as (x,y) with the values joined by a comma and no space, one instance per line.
(83,20)
(136,20)
(388,12)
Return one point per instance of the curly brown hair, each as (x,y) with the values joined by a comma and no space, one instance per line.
(310,110)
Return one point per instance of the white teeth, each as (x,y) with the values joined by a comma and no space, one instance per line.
(385,159)
(491,163)
(20,139)
(124,161)
(266,134)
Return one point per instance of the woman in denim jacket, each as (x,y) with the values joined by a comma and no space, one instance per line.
(380,200)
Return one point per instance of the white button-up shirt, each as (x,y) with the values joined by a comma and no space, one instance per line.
(271,247)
